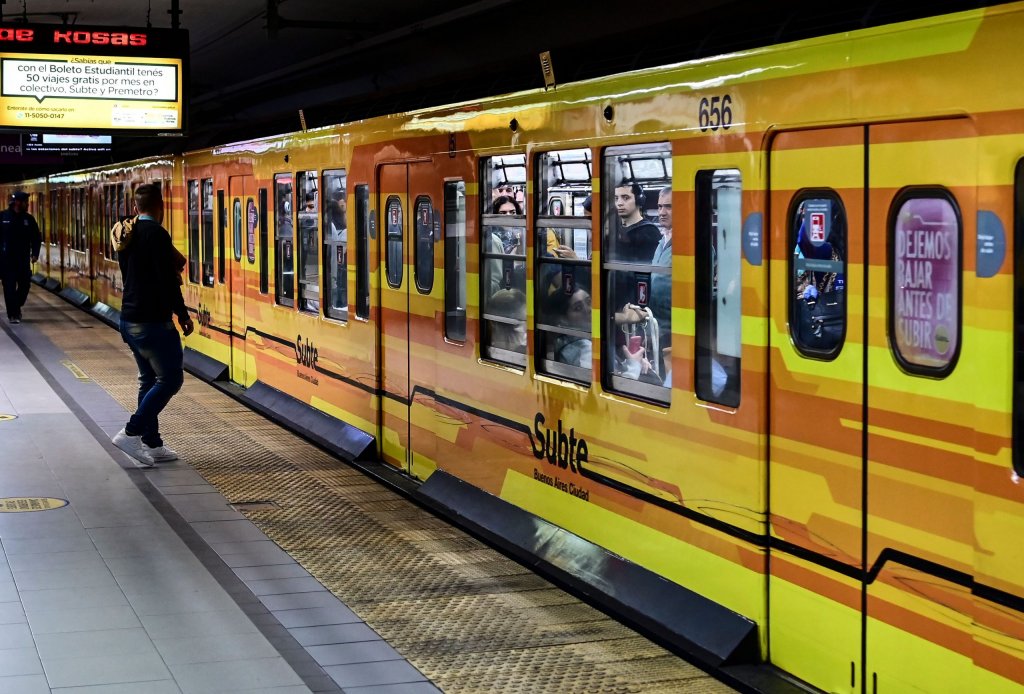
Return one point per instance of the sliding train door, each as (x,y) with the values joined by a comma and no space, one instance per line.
(403,198)
(933,371)
(243,279)
(816,395)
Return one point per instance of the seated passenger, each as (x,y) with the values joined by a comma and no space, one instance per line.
(508,303)
(571,311)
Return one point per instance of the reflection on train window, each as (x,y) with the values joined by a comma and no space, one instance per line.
(261,218)
(236,223)
(363,222)
(503,259)
(284,239)
(107,219)
(637,262)
(1018,320)
(563,247)
(423,251)
(717,311)
(394,229)
(208,232)
(335,266)
(924,251)
(193,231)
(308,216)
(222,218)
(455,261)
(817,230)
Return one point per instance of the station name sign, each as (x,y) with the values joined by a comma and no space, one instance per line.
(100,79)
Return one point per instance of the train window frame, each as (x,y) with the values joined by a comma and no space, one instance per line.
(792,236)
(264,239)
(307,287)
(366,230)
(709,363)
(455,295)
(630,165)
(498,173)
(284,243)
(222,225)
(236,226)
(192,187)
(206,198)
(901,198)
(423,234)
(571,173)
(1017,407)
(394,242)
(335,243)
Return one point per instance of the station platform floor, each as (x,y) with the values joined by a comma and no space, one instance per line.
(258,563)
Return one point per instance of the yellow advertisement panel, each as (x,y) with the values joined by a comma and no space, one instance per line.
(90,92)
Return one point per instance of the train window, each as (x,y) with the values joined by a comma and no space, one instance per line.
(423,251)
(335,269)
(924,280)
(563,269)
(503,259)
(366,230)
(637,324)
(817,314)
(193,231)
(284,255)
(208,232)
(261,218)
(455,261)
(717,315)
(308,216)
(395,241)
(236,225)
(222,218)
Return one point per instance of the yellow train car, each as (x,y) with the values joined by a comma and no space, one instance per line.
(731,345)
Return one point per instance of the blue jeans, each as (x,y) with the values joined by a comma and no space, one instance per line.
(157,350)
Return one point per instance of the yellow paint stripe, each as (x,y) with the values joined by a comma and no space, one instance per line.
(75,370)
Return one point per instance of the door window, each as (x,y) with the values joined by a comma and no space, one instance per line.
(817,232)
(924,233)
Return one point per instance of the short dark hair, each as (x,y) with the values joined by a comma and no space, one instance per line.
(148,198)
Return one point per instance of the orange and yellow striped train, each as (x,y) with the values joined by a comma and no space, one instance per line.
(732,344)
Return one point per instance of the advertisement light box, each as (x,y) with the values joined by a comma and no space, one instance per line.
(100,79)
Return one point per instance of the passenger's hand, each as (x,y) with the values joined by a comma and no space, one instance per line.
(564,252)
(187,326)
(35,258)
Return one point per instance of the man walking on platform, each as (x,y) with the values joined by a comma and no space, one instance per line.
(19,248)
(152,294)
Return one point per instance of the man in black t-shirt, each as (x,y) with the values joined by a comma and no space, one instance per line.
(637,237)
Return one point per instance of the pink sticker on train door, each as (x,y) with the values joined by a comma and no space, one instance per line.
(926,282)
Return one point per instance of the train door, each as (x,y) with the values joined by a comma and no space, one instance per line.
(817,387)
(399,187)
(927,363)
(241,279)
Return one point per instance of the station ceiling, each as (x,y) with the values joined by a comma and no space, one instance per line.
(256,63)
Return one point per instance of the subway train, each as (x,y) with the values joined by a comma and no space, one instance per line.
(730,343)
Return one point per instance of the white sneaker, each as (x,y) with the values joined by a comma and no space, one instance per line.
(160,454)
(128,444)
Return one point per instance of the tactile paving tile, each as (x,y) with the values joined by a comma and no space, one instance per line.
(467,617)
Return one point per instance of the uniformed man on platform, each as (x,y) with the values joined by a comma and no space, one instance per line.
(19,248)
